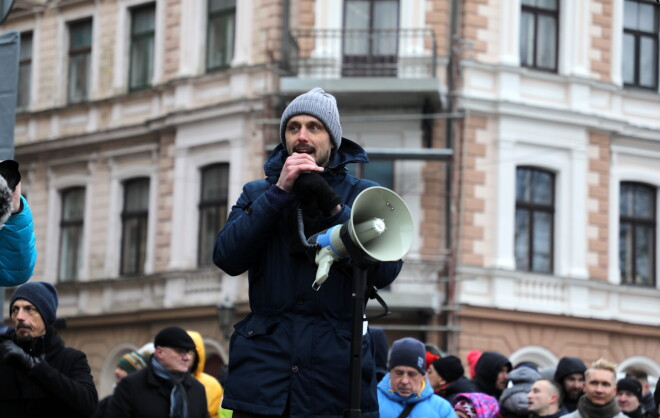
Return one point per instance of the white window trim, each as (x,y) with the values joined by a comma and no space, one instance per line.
(540,356)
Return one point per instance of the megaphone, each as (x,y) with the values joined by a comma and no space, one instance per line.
(380,229)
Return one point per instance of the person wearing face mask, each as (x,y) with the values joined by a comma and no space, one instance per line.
(295,338)
(39,376)
(18,252)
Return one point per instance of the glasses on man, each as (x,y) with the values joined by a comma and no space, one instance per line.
(182,351)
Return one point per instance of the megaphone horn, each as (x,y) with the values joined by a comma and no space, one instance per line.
(380,228)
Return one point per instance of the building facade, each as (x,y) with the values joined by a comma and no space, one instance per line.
(522,135)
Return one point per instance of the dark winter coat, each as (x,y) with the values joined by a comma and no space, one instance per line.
(487,368)
(295,343)
(460,385)
(59,386)
(142,394)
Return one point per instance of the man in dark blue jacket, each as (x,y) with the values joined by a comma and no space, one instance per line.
(290,355)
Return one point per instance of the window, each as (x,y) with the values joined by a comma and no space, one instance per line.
(134,226)
(538,34)
(637,234)
(24,71)
(143,26)
(80,60)
(221,23)
(71,233)
(640,44)
(535,207)
(212,209)
(370,44)
(380,171)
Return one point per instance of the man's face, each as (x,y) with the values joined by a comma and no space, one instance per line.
(502,377)
(627,401)
(599,388)
(174,359)
(306,134)
(406,380)
(27,320)
(435,379)
(574,385)
(540,397)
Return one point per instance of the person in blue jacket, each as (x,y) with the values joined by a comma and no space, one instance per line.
(18,252)
(405,391)
(290,356)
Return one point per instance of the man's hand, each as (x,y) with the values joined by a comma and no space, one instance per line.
(294,165)
(11,353)
(312,185)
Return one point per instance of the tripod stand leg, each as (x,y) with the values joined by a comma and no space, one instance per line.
(359,288)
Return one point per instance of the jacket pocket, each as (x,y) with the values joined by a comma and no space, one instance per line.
(255,325)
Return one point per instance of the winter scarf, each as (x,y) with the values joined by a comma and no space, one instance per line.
(589,410)
(178,397)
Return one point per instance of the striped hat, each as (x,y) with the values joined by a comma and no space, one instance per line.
(132,362)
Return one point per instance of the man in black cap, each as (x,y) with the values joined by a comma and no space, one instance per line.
(164,388)
(18,253)
(39,376)
(570,376)
(629,397)
(447,377)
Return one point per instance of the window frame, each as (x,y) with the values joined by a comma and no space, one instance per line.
(223,14)
(80,51)
(25,63)
(358,170)
(636,222)
(532,208)
(637,35)
(536,12)
(66,224)
(133,37)
(142,216)
(220,204)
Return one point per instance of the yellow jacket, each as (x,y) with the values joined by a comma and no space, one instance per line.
(211,384)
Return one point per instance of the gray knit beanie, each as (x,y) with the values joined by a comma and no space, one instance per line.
(319,104)
(42,295)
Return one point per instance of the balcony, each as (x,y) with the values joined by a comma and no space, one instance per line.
(342,53)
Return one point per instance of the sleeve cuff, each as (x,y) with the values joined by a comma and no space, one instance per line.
(279,198)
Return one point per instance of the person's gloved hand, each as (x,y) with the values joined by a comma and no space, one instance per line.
(313,186)
(11,353)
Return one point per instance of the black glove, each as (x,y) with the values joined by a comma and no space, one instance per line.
(313,186)
(11,353)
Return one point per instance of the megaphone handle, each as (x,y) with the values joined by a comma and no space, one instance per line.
(324,259)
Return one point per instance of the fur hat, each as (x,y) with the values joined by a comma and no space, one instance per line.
(42,295)
(408,352)
(174,337)
(449,368)
(319,104)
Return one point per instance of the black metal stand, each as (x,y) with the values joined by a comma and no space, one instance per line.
(359,289)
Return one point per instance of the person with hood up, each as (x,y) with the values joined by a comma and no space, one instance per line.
(18,252)
(39,376)
(570,376)
(492,370)
(476,405)
(447,377)
(513,401)
(297,339)
(599,393)
(211,385)
(404,391)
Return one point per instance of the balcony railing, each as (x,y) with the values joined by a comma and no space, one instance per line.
(336,53)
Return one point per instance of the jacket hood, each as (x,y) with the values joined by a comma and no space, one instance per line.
(524,375)
(385,389)
(201,352)
(568,365)
(348,152)
(487,369)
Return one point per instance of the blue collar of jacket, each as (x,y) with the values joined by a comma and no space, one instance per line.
(348,152)
(415,397)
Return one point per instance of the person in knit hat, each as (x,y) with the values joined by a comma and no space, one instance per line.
(447,376)
(297,337)
(47,378)
(405,388)
(629,397)
(18,252)
(164,388)
(128,363)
